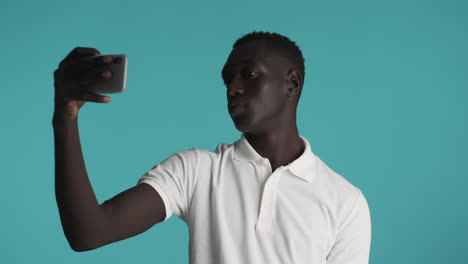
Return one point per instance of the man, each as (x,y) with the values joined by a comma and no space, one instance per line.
(265,198)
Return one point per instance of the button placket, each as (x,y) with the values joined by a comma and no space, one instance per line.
(268,203)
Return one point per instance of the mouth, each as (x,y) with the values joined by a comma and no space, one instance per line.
(236,109)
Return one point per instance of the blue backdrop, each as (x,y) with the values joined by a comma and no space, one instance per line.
(384,105)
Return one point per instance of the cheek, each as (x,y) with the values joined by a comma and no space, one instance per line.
(264,99)
(270,100)
(264,108)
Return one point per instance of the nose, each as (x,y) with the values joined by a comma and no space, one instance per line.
(235,87)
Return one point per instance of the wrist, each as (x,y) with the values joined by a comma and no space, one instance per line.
(63,119)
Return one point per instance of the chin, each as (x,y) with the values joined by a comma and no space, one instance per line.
(245,125)
(241,124)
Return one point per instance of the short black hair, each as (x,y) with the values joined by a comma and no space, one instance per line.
(279,42)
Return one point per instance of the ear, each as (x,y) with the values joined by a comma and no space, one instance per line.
(294,82)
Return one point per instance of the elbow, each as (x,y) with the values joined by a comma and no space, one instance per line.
(85,236)
(81,248)
(81,245)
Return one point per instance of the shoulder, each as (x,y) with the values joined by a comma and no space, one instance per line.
(338,191)
(339,195)
(208,156)
(186,155)
(334,180)
(195,156)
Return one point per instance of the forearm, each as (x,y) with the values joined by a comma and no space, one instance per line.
(78,207)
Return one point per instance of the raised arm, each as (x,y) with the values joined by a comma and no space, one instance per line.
(86,223)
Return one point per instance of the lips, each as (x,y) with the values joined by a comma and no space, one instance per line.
(234,109)
(232,105)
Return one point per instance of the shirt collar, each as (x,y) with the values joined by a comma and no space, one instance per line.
(303,166)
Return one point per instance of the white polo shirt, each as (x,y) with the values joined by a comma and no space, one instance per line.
(239,211)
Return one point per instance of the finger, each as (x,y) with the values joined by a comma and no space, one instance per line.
(58,75)
(85,77)
(95,76)
(92,97)
(87,63)
(79,52)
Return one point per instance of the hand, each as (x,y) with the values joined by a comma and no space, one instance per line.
(78,70)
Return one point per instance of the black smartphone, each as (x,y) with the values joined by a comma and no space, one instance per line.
(118,81)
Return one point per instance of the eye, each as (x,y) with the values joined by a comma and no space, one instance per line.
(226,82)
(249,74)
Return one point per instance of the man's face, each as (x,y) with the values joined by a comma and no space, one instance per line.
(256,78)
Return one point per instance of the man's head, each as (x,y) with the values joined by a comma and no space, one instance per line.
(265,72)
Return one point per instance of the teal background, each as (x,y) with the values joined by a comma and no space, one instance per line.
(384,104)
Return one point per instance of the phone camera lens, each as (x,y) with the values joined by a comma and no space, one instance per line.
(118,60)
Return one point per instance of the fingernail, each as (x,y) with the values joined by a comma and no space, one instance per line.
(106,74)
(107,59)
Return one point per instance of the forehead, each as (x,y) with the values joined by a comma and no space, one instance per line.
(257,53)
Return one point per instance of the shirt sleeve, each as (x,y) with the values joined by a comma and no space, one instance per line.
(174,179)
(352,244)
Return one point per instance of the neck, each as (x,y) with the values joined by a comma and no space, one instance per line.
(279,147)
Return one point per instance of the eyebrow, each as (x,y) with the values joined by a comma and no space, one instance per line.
(247,61)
